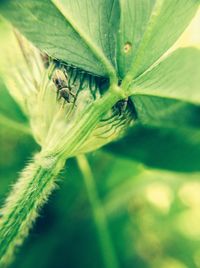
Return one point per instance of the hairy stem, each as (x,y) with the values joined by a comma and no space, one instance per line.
(108,252)
(21,207)
(38,179)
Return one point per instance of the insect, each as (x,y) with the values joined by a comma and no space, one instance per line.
(121,106)
(63,86)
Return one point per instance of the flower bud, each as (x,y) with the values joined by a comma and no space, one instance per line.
(53,95)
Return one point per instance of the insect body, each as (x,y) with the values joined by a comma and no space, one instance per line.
(121,106)
(61,82)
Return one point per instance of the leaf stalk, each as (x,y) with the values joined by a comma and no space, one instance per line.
(107,248)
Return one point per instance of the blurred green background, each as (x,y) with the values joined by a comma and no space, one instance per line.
(153,216)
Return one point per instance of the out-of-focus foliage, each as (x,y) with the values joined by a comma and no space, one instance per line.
(153,216)
(166,148)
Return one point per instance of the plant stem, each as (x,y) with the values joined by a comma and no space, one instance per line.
(21,208)
(108,252)
(38,179)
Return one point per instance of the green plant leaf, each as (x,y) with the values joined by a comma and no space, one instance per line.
(166,99)
(148,28)
(10,113)
(81,33)
(176,77)
(165,112)
(161,147)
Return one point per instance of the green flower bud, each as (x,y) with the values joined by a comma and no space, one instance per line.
(53,95)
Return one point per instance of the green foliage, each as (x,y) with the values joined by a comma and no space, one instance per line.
(150,97)
(10,113)
(143,208)
(158,25)
(65,32)
(161,147)
(173,78)
(8,106)
(166,99)
(90,27)
(105,43)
